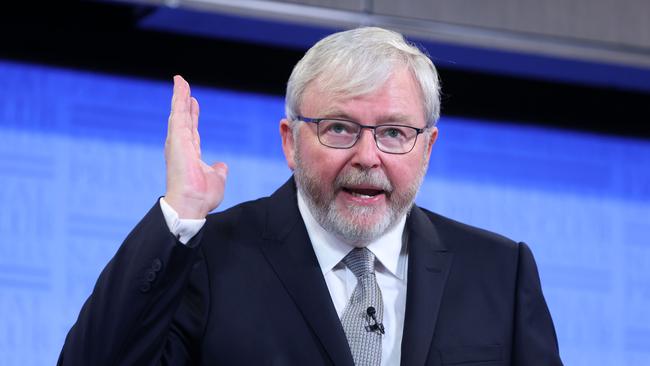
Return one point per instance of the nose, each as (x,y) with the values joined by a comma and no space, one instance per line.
(366,153)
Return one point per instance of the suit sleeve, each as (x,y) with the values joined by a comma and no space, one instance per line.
(535,341)
(147,306)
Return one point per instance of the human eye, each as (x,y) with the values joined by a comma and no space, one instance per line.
(334,127)
(393,132)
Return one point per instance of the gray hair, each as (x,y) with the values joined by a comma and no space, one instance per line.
(359,61)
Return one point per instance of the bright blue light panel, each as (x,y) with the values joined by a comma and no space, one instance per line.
(81,160)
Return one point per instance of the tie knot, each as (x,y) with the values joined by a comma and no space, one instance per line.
(360,261)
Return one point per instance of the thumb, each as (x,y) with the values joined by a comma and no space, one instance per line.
(221,169)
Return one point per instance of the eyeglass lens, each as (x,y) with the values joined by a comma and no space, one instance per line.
(344,134)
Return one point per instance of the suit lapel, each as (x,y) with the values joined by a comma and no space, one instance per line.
(429,264)
(292,257)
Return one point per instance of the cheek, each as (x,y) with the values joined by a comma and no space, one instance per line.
(323,164)
(403,173)
(397,177)
(329,167)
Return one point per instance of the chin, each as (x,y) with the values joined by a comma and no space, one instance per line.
(366,217)
(359,225)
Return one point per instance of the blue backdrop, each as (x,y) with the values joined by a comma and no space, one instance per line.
(81,160)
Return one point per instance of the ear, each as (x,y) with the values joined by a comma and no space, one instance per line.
(432,140)
(288,145)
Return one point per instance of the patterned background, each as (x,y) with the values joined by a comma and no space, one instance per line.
(81,161)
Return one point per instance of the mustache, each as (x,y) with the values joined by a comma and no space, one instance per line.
(354,177)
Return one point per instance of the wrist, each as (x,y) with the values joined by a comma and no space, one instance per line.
(187,208)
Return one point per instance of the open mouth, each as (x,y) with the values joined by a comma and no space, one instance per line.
(363,192)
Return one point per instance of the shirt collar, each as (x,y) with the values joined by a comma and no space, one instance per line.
(388,248)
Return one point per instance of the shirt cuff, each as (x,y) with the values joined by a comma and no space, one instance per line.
(183,229)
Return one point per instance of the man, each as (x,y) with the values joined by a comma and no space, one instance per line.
(337,267)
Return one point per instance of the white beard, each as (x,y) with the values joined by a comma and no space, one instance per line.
(358,226)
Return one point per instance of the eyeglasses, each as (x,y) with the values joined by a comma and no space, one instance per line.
(343,134)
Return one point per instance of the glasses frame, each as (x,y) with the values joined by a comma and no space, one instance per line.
(317,122)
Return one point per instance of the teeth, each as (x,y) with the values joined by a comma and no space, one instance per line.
(360,195)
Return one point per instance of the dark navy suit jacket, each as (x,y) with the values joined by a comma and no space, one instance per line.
(248,290)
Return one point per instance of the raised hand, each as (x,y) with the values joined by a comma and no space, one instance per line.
(194,188)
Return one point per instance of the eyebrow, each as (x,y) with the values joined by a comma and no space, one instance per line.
(398,118)
(334,112)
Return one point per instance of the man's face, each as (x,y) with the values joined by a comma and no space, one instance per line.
(359,193)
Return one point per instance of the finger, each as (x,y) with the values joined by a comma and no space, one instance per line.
(180,120)
(179,93)
(194,113)
(181,102)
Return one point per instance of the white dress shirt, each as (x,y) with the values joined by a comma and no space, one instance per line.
(390,268)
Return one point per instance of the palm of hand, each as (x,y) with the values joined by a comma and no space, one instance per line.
(194,188)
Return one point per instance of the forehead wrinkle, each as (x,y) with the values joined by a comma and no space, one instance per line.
(399,118)
(333,105)
(334,112)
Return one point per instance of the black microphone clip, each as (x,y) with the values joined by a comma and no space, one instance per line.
(377,326)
